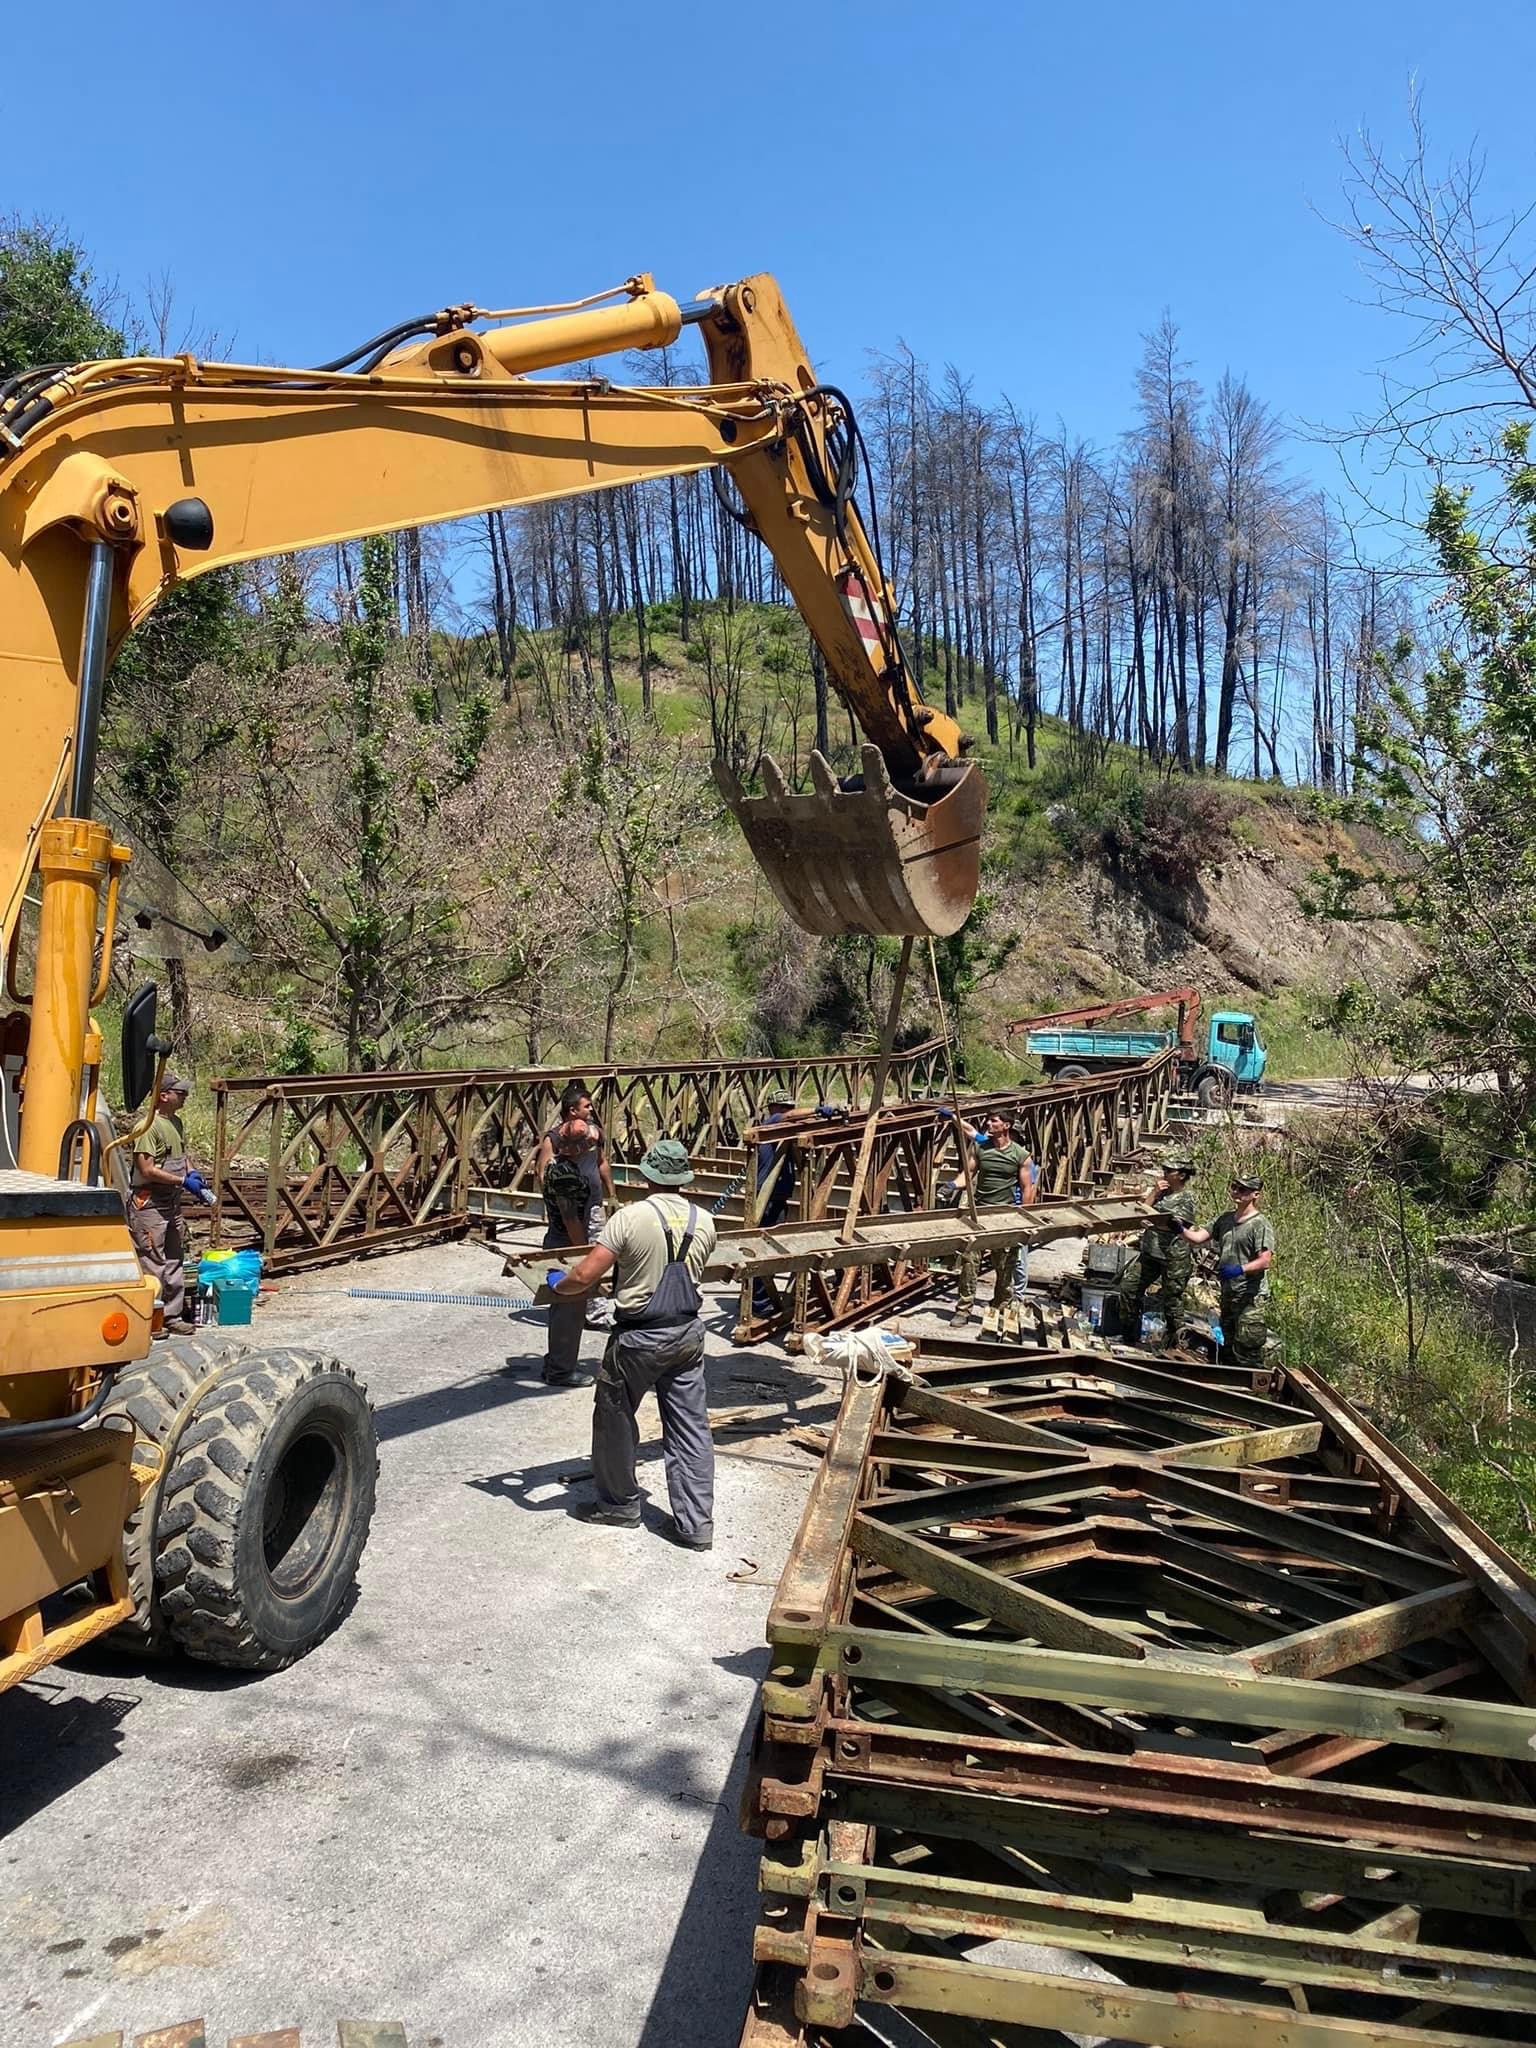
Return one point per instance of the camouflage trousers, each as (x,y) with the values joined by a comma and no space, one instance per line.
(1009,1262)
(1170,1275)
(1244,1330)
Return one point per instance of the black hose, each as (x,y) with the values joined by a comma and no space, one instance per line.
(39,373)
(13,1432)
(381,344)
(852,455)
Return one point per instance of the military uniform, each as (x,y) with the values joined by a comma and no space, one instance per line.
(996,1182)
(1163,1260)
(154,1215)
(1244,1324)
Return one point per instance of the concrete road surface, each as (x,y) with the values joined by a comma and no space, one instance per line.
(498,1804)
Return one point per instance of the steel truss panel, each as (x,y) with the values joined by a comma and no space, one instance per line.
(1239,1765)
(319,1168)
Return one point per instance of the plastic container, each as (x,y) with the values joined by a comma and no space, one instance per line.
(235,1303)
(1154,1332)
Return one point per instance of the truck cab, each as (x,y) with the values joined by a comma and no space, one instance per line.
(1233,1045)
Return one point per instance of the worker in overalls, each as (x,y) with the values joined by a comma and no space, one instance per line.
(161,1176)
(1164,1259)
(657,1250)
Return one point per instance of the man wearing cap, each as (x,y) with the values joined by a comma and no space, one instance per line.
(1163,1259)
(160,1177)
(1002,1173)
(657,1250)
(1245,1242)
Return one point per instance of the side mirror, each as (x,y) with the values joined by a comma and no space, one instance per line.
(141,1048)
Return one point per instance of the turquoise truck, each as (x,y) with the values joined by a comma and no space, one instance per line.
(1225,1059)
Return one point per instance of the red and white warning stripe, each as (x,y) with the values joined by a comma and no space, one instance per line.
(855,595)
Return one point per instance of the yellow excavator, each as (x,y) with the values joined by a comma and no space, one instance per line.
(196,1496)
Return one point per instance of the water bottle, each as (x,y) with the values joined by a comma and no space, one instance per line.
(1216,1336)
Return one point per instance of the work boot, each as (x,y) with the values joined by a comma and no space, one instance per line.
(554,1376)
(612,1514)
(698,1539)
(965,1312)
(181,1326)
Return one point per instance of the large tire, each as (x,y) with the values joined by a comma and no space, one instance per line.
(1213,1090)
(1070,1073)
(265,1511)
(150,1395)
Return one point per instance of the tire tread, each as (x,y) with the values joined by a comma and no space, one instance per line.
(199,1593)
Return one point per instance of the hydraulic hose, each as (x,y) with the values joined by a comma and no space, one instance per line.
(381,343)
(13,1432)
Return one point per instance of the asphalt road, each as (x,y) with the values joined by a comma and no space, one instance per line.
(498,1804)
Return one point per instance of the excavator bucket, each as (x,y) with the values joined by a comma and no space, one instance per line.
(861,856)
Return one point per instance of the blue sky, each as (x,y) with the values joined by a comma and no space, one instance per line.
(1017,189)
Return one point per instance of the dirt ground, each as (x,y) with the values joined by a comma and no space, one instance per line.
(498,1804)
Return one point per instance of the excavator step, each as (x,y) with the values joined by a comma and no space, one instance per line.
(194,2034)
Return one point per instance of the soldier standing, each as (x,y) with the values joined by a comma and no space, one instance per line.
(1163,1259)
(1245,1242)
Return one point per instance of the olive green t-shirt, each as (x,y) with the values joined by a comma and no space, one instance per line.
(1244,1241)
(635,1236)
(997,1173)
(163,1140)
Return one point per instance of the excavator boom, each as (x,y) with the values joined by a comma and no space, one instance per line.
(177,467)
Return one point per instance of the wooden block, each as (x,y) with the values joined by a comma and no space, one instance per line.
(188,2035)
(285,2037)
(370,2034)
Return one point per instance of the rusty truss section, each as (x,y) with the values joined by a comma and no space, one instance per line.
(320,1167)
(1116,1696)
(1079,1133)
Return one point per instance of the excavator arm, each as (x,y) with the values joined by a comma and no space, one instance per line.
(119,479)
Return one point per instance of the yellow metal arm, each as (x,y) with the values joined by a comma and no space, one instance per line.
(289,459)
(117,479)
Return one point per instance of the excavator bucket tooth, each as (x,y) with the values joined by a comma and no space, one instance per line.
(865,857)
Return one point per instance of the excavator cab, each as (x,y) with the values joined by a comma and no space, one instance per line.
(862,855)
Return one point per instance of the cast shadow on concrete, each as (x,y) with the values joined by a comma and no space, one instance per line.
(700,1999)
(51,1741)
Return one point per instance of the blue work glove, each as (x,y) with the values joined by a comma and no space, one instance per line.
(553,1277)
(1232,1269)
(194,1184)
(946,1113)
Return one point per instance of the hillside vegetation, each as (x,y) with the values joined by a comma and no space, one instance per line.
(1101,876)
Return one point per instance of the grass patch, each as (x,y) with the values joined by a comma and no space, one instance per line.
(1347,1266)
(1296,1034)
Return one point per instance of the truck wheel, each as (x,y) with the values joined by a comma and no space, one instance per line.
(1213,1091)
(265,1511)
(1070,1074)
(151,1395)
